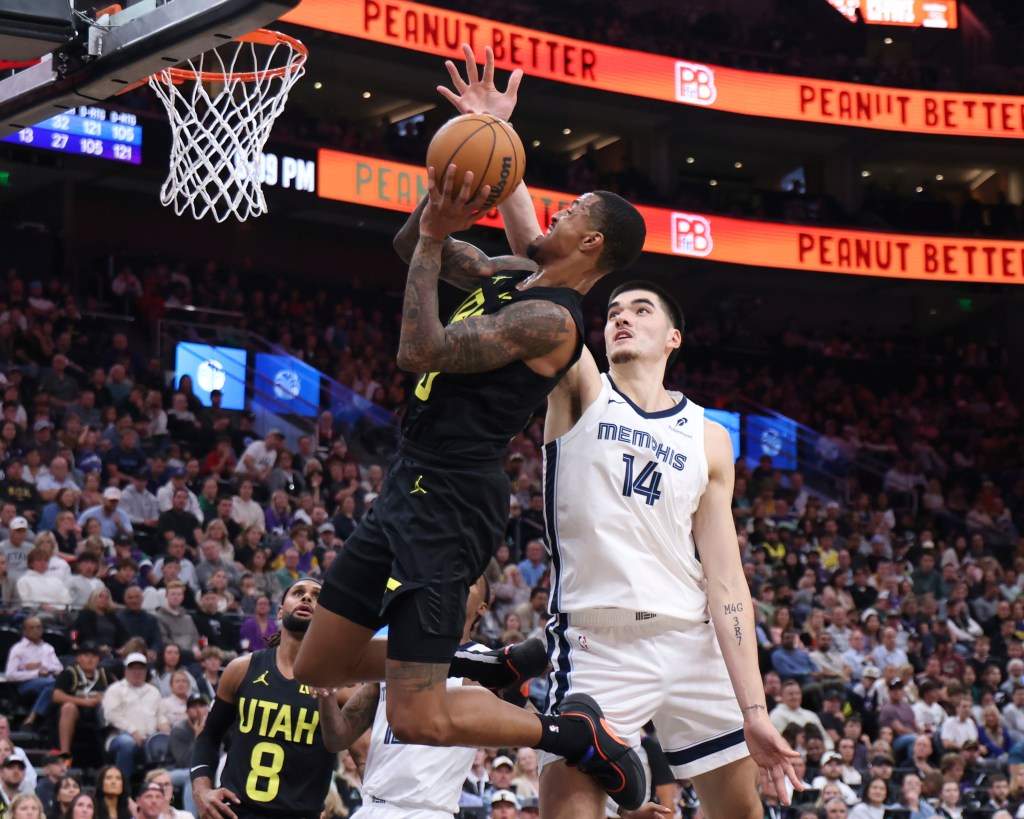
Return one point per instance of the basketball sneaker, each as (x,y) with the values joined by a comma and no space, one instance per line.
(607,760)
(502,669)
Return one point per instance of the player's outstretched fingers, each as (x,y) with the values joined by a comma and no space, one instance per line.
(471,73)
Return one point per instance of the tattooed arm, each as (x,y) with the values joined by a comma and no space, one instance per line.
(538,332)
(341,727)
(732,611)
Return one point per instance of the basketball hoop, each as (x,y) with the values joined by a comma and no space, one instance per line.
(218,133)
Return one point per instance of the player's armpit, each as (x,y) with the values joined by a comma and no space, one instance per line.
(538,332)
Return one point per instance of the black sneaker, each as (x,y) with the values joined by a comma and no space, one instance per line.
(608,760)
(510,668)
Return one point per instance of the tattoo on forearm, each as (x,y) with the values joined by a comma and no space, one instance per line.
(421,328)
(754,707)
(733,608)
(737,630)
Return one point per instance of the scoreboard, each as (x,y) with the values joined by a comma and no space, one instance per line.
(86,131)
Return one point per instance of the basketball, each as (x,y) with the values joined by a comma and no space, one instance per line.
(484,145)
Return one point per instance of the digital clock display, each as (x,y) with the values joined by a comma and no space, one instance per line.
(86,131)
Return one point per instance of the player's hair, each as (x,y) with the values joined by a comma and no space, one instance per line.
(623,228)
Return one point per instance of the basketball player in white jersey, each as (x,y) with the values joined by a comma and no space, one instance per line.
(651,613)
(408,781)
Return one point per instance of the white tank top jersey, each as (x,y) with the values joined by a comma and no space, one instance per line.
(413,776)
(620,491)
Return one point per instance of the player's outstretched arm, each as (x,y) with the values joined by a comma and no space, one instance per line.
(571,396)
(732,613)
(343,724)
(215,803)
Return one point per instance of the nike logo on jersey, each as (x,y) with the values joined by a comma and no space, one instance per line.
(416,488)
(262,678)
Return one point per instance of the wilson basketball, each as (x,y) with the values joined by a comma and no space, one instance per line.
(484,145)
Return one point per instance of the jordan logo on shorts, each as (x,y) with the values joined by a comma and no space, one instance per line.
(417,489)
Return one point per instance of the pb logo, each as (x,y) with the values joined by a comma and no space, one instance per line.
(691,235)
(695,84)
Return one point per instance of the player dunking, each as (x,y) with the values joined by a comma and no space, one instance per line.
(444,504)
(282,750)
(638,488)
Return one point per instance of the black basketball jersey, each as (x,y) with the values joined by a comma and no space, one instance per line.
(473,416)
(277,763)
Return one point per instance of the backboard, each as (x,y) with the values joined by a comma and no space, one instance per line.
(129,46)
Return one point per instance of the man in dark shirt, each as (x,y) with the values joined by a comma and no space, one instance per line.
(218,630)
(177,521)
(20,492)
(77,697)
(126,459)
(139,623)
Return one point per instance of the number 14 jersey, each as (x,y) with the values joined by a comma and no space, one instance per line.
(620,490)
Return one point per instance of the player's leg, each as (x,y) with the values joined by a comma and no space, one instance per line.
(730,792)
(565,793)
(338,648)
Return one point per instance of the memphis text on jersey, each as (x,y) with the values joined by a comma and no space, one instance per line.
(274,720)
(644,440)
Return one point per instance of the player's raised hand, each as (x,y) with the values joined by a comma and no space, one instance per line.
(479,95)
(773,756)
(446,213)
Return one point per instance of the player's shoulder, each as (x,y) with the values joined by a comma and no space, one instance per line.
(234,674)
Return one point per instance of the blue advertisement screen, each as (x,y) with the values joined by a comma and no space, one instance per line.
(774,436)
(729,420)
(286,385)
(212,368)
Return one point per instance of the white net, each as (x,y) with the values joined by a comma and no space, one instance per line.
(221,108)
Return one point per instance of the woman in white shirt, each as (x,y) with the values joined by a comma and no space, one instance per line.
(873,805)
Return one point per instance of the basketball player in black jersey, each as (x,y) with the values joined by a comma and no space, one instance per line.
(444,504)
(283,750)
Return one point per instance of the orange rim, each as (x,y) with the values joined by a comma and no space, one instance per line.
(261,36)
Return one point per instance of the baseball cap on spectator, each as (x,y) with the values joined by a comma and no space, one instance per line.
(152,787)
(895,682)
(55,756)
(134,658)
(196,699)
(326,527)
(210,590)
(88,647)
(831,756)
(883,594)
(176,472)
(502,760)
(970,745)
(499,796)
(248,415)
(878,538)
(272,433)
(833,692)
(13,760)
(143,472)
(928,544)
(530,803)
(42,424)
(871,671)
(369,497)
(18,523)
(867,613)
(112,493)
(881,759)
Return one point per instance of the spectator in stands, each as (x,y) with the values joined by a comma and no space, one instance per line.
(831,772)
(899,716)
(176,625)
(132,709)
(212,562)
(792,662)
(32,665)
(65,523)
(113,522)
(177,521)
(183,740)
(959,728)
(78,694)
(139,503)
(140,623)
(125,573)
(289,571)
(97,623)
(67,790)
(998,787)
(278,516)
(12,776)
(534,568)
(888,651)
(161,780)
(112,800)
(790,711)
(167,664)
(8,591)
(15,489)
(533,614)
(267,581)
(56,479)
(8,748)
(39,590)
(244,510)
(259,458)
(259,627)
(187,569)
(211,661)
(16,548)
(177,480)
(125,459)
(218,629)
(54,770)
(179,684)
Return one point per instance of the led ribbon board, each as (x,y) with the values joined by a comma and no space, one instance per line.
(381,183)
(607,68)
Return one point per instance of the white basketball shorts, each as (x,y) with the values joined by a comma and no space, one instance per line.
(652,670)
